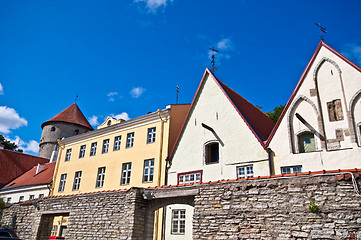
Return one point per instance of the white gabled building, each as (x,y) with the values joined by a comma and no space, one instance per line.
(222,138)
(320,127)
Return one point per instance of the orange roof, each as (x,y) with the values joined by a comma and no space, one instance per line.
(72,114)
(31,178)
(13,164)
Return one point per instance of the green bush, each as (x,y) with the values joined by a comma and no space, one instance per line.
(313,207)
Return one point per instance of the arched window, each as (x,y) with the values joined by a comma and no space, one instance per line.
(53,129)
(76,132)
(211,152)
(306,142)
(109,122)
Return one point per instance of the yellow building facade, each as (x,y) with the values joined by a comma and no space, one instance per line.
(119,154)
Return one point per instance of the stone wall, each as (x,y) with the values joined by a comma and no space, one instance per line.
(276,208)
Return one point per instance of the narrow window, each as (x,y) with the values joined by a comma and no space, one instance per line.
(130,140)
(105,146)
(62,182)
(109,123)
(126,171)
(148,170)
(100,177)
(306,142)
(82,151)
(8,200)
(151,135)
(292,169)
(53,129)
(31,197)
(21,198)
(335,110)
(77,179)
(76,132)
(93,149)
(68,155)
(41,195)
(211,153)
(194,177)
(117,141)
(178,221)
(245,171)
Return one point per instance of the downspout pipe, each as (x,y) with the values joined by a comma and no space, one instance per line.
(270,161)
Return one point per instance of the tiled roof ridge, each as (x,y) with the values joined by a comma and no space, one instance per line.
(22,153)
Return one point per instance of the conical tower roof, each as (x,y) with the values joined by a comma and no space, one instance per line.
(72,114)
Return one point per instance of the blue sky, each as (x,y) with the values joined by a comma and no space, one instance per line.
(125,58)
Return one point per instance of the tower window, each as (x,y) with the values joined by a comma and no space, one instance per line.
(76,132)
(53,129)
(211,153)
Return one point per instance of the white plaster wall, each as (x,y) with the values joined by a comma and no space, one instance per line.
(350,156)
(189,219)
(26,192)
(240,146)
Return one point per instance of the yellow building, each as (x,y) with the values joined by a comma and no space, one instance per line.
(119,154)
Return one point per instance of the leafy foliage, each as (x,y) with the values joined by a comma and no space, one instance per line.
(2,203)
(313,207)
(9,145)
(275,113)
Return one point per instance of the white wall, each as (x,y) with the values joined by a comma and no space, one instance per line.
(26,191)
(189,219)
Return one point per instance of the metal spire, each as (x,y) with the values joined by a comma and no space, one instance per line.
(323,30)
(176,102)
(213,68)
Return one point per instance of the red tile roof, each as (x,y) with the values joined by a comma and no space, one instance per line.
(72,114)
(31,178)
(13,164)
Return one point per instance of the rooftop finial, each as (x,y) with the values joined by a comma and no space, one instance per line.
(323,30)
(176,101)
(76,97)
(213,68)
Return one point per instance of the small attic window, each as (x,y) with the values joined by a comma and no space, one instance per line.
(53,129)
(211,153)
(109,122)
(76,132)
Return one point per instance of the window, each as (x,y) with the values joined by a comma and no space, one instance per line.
(148,170)
(151,135)
(245,171)
(130,140)
(211,153)
(192,177)
(100,177)
(117,141)
(306,142)
(31,197)
(21,198)
(292,169)
(54,230)
(335,110)
(53,129)
(62,182)
(93,149)
(105,146)
(82,151)
(76,132)
(178,221)
(68,155)
(8,200)
(41,195)
(126,171)
(109,123)
(77,179)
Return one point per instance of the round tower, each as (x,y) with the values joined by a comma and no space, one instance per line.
(67,123)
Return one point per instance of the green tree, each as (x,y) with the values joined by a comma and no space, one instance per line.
(275,113)
(9,145)
(2,203)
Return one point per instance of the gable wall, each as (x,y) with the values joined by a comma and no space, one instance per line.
(240,146)
(313,108)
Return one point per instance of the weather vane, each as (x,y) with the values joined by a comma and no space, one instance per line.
(213,68)
(176,102)
(323,30)
(76,97)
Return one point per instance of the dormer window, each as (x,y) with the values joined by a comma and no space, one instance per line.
(211,153)
(109,122)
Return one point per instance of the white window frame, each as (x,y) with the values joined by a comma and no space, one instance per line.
(100,177)
(31,197)
(62,182)
(82,151)
(77,179)
(178,225)
(68,155)
(93,148)
(105,148)
(193,177)
(117,143)
(151,135)
(126,173)
(248,171)
(21,198)
(148,171)
(130,140)
(291,169)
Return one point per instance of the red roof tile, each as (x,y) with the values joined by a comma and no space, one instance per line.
(72,114)
(31,178)
(13,164)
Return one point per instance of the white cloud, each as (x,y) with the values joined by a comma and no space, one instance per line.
(93,120)
(137,92)
(353,52)
(225,44)
(10,119)
(1,89)
(28,147)
(111,96)
(122,115)
(153,5)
